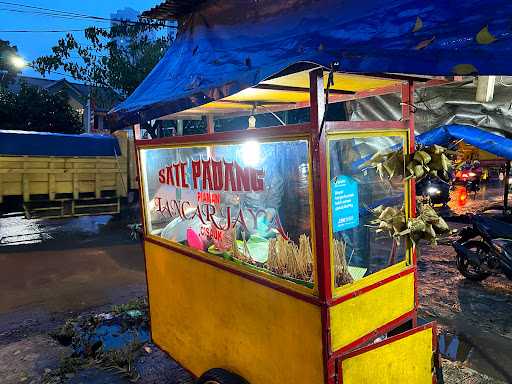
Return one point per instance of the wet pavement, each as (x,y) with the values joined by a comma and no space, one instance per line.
(51,268)
(462,203)
(475,319)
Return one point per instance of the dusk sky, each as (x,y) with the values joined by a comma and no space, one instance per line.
(34,44)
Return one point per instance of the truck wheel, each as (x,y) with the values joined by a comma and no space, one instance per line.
(220,376)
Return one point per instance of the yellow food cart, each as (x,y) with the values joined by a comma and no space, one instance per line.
(261,263)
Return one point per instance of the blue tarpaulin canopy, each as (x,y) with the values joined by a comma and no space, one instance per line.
(228,45)
(497,145)
(25,143)
(446,134)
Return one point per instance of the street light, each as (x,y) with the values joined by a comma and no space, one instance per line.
(18,62)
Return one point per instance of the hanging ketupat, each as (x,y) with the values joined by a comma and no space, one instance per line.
(425,161)
(427,225)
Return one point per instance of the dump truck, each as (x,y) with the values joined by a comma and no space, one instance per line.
(57,175)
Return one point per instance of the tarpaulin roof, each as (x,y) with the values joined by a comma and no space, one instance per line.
(228,45)
(172,9)
(497,145)
(25,143)
(446,134)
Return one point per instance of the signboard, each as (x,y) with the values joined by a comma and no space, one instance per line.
(344,203)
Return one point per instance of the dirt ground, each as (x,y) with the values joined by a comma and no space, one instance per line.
(53,270)
(474,318)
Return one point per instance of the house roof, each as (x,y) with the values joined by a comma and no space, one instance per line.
(48,84)
(104,98)
(173,9)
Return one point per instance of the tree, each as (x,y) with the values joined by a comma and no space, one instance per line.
(118,58)
(7,70)
(34,109)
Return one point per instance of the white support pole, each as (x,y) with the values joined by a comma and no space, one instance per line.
(485,88)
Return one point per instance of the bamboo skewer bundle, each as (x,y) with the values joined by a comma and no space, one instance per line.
(287,259)
(243,256)
(305,256)
(294,265)
(277,255)
(340,263)
(247,253)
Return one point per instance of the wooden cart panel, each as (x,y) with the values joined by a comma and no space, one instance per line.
(208,317)
(364,311)
(405,358)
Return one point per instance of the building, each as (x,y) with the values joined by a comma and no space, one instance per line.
(92,103)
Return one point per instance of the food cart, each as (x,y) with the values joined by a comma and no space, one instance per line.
(259,257)
(261,263)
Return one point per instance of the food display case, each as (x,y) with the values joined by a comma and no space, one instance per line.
(261,255)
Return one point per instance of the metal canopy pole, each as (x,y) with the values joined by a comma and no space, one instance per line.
(210,121)
(320,212)
(319,179)
(506,186)
(179,127)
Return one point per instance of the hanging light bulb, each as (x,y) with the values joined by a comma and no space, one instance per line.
(252,122)
(251,151)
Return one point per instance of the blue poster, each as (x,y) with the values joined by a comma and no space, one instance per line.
(345,203)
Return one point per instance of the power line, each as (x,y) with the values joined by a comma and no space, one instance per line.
(40,31)
(56,15)
(64,14)
(45,9)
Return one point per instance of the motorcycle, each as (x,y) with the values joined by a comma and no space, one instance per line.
(437,190)
(485,248)
(472,181)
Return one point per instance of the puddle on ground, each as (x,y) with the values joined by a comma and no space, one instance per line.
(111,335)
(488,355)
(17,230)
(453,347)
(105,332)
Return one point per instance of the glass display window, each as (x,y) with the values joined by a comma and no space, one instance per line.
(248,203)
(356,189)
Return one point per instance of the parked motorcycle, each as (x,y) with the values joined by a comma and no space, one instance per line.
(485,248)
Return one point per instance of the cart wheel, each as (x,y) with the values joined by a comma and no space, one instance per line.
(220,376)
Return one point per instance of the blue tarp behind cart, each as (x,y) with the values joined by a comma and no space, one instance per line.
(229,45)
(23,143)
(447,134)
(497,145)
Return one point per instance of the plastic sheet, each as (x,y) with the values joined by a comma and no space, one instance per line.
(25,143)
(228,46)
(498,145)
